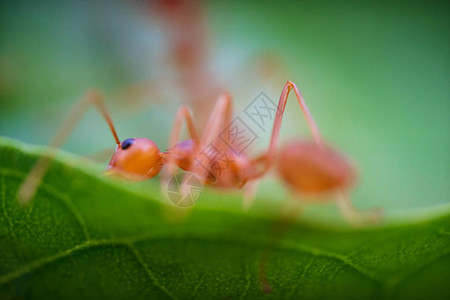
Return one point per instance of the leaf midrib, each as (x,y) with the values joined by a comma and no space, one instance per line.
(146,237)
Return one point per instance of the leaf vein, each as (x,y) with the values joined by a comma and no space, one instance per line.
(39,263)
(393,285)
(198,285)
(247,287)
(8,219)
(305,270)
(345,260)
(58,195)
(152,277)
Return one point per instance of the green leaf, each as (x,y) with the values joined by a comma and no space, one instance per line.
(85,236)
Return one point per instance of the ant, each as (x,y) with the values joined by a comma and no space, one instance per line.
(306,167)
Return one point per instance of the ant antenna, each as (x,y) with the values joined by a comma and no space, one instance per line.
(97,100)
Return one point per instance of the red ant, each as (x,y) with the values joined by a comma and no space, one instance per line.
(306,167)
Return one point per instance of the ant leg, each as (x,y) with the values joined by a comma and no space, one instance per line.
(213,147)
(221,112)
(219,118)
(183,113)
(249,194)
(101,155)
(268,157)
(33,179)
(353,215)
(309,118)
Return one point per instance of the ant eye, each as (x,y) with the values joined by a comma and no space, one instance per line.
(127,143)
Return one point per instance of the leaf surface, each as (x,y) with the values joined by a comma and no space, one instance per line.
(87,236)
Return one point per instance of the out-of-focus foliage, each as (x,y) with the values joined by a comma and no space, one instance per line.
(374,75)
(84,236)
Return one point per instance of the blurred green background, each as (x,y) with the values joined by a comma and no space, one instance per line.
(376,78)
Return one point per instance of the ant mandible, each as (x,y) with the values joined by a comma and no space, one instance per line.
(306,167)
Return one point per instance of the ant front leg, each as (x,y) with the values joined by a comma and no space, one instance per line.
(212,161)
(219,118)
(183,154)
(179,154)
(34,178)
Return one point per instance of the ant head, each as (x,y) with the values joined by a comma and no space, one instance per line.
(136,159)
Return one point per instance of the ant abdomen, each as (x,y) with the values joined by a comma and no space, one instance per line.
(309,169)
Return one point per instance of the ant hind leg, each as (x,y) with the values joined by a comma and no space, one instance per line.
(353,215)
(250,190)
